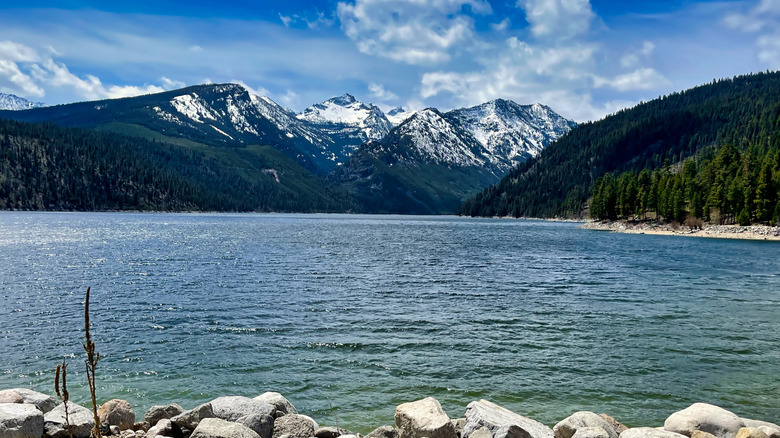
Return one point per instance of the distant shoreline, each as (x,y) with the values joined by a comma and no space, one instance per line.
(751,232)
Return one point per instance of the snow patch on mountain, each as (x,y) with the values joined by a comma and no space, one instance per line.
(192,106)
(437,140)
(346,116)
(398,115)
(15,103)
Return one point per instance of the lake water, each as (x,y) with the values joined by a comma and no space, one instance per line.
(349,316)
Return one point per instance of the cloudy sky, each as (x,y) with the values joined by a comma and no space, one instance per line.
(585,59)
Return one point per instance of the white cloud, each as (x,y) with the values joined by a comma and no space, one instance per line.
(641,79)
(15,52)
(290,99)
(501,26)
(410,31)
(12,80)
(378,91)
(557,19)
(171,84)
(259,91)
(285,20)
(764,18)
(633,60)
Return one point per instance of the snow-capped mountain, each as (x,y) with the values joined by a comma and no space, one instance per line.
(15,103)
(511,132)
(398,115)
(347,121)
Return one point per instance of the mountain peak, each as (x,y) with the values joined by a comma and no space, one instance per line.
(343,100)
(16,103)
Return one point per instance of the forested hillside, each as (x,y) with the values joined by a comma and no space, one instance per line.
(46,167)
(743,112)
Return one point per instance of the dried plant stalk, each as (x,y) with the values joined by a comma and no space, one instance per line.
(91,364)
(62,391)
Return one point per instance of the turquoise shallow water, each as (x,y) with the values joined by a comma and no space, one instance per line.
(349,316)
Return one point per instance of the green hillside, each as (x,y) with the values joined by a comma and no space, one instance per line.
(743,112)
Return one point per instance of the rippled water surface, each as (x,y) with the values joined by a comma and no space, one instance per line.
(349,316)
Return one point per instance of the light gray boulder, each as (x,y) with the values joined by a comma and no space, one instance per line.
(263,425)
(751,432)
(705,417)
(42,401)
(330,432)
(218,428)
(164,427)
(190,419)
(160,412)
(282,405)
(20,421)
(702,434)
(10,396)
(649,432)
(80,419)
(617,426)
(458,424)
(117,412)
(231,408)
(567,427)
(591,432)
(772,430)
(295,426)
(383,432)
(423,418)
(482,432)
(498,419)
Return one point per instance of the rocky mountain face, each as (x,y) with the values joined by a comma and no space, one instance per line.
(13,102)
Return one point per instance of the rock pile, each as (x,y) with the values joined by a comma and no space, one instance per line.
(28,414)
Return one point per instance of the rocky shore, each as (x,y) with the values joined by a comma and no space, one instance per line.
(752,232)
(29,414)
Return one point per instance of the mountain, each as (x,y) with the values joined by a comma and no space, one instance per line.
(431,162)
(398,115)
(15,103)
(348,122)
(743,111)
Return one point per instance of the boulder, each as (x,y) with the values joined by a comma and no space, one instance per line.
(42,401)
(649,432)
(423,418)
(115,430)
(482,432)
(141,426)
(383,432)
(330,432)
(567,427)
(751,432)
(702,434)
(80,419)
(164,427)
(591,432)
(117,412)
(20,421)
(128,434)
(161,412)
(295,426)
(705,417)
(282,405)
(494,417)
(617,426)
(10,396)
(458,424)
(772,430)
(218,428)
(263,425)
(190,419)
(231,408)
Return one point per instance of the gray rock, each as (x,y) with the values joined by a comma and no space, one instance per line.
(263,425)
(383,432)
(330,432)
(772,430)
(117,412)
(128,434)
(702,434)
(218,428)
(10,396)
(423,418)
(231,408)
(164,427)
(282,405)
(617,426)
(494,417)
(190,419)
(591,432)
(295,426)
(458,424)
(20,421)
(751,432)
(705,417)
(649,432)
(42,401)
(115,430)
(482,432)
(80,419)
(567,427)
(142,426)
(160,412)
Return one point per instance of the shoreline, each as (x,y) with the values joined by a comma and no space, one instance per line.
(750,232)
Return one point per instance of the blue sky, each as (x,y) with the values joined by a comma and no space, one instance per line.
(585,59)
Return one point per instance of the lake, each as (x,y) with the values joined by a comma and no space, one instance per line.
(349,316)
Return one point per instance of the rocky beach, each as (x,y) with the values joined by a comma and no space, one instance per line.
(29,414)
(751,232)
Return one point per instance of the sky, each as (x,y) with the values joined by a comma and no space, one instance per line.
(584,59)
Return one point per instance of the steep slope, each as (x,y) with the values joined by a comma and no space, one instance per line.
(742,111)
(13,102)
(220,115)
(431,162)
(398,115)
(348,122)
